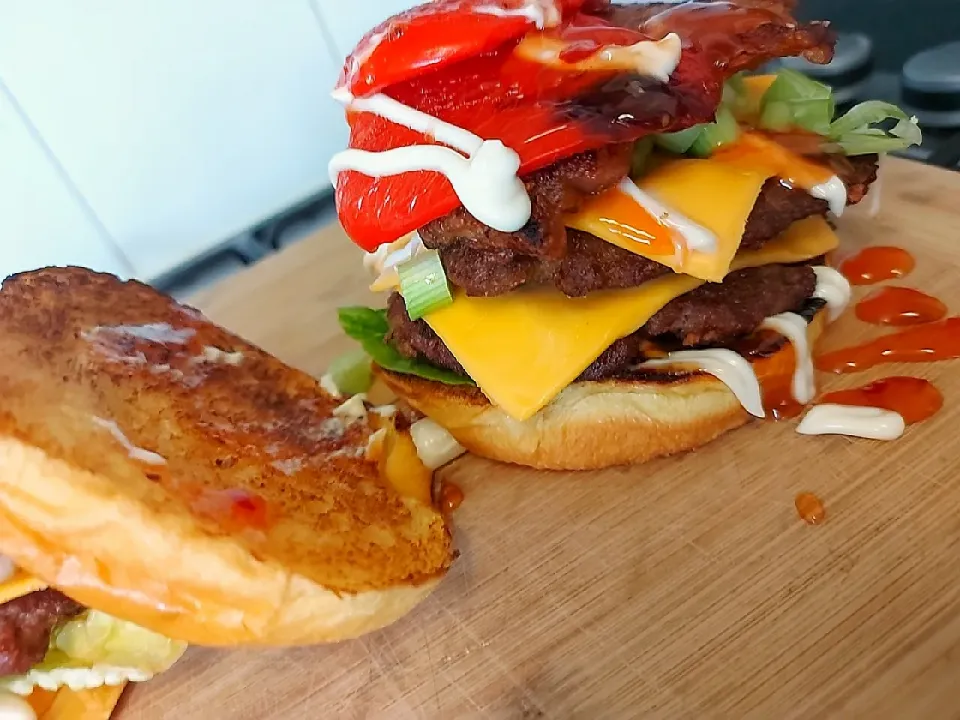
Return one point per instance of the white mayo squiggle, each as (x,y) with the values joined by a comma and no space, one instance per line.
(484,177)
(834,192)
(794,328)
(135,453)
(865,422)
(834,289)
(728,367)
(695,236)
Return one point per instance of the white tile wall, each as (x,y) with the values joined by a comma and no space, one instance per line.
(42,221)
(346,27)
(180,122)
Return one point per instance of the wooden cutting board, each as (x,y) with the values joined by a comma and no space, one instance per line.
(684,588)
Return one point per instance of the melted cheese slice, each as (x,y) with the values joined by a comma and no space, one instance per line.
(717,195)
(19,585)
(524,347)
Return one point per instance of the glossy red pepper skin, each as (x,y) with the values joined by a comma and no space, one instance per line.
(542,112)
(430,37)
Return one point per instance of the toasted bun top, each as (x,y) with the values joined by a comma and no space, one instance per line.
(160,469)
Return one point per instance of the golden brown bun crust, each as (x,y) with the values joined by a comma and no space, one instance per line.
(261,521)
(590,425)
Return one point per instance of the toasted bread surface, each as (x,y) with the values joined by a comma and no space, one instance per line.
(159,468)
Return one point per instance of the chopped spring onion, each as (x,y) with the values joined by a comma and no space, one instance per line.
(854,133)
(423,284)
(796,101)
(713,135)
(352,372)
(642,149)
(678,142)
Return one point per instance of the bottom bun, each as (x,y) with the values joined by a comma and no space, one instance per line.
(595,424)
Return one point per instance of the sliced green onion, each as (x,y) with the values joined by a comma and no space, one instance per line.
(855,135)
(796,101)
(352,372)
(423,284)
(642,149)
(679,142)
(716,134)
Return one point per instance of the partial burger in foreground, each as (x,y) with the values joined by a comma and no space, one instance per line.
(164,482)
(604,242)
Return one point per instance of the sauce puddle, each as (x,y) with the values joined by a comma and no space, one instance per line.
(914,399)
(938,340)
(900,306)
(876,264)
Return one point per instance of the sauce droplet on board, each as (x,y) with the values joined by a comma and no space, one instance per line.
(939,340)
(876,264)
(914,399)
(810,508)
(900,306)
(451,496)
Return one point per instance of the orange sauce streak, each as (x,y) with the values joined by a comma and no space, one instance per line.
(900,306)
(631,221)
(875,264)
(753,151)
(913,398)
(451,497)
(775,375)
(938,340)
(810,508)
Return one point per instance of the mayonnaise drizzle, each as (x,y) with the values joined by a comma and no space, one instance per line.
(728,367)
(695,236)
(834,192)
(794,328)
(136,453)
(865,422)
(485,181)
(834,289)
(542,13)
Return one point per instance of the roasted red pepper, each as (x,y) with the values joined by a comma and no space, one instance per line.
(430,37)
(544,112)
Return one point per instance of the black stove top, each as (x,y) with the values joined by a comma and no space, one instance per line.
(903,51)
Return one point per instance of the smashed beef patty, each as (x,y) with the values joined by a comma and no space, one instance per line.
(25,626)
(713,314)
(481,268)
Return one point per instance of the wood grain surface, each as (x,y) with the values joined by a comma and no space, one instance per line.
(684,588)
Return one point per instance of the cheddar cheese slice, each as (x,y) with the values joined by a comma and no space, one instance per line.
(717,195)
(524,347)
(19,585)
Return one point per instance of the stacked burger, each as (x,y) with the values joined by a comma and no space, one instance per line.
(603,240)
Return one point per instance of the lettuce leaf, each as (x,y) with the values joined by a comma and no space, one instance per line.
(369,327)
(96,649)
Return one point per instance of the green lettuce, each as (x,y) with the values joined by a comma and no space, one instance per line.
(369,327)
(96,649)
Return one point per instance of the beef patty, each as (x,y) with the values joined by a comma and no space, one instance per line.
(486,262)
(25,626)
(713,314)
